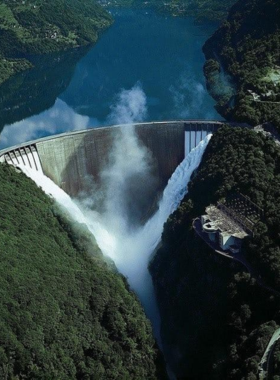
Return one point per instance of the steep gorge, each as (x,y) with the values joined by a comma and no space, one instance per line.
(216,319)
(242,68)
(64,312)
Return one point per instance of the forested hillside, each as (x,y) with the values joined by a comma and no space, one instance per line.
(202,10)
(213,312)
(64,314)
(39,27)
(243,63)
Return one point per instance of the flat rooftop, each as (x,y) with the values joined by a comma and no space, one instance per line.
(224,223)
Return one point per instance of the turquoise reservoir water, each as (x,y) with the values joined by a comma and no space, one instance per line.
(75,90)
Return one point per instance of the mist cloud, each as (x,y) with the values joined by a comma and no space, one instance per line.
(130,106)
(127,182)
(188,96)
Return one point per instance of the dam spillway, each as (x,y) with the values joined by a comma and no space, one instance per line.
(68,158)
(129,246)
(76,161)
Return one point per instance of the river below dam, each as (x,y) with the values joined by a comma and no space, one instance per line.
(146,67)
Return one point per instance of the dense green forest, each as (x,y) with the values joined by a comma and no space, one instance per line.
(243,63)
(226,318)
(37,27)
(202,10)
(64,312)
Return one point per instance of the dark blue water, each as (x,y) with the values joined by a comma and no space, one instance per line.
(160,54)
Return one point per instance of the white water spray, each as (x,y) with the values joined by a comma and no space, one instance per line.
(127,182)
(131,250)
(126,185)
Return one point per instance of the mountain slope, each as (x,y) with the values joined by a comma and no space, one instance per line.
(202,10)
(64,314)
(40,26)
(216,319)
(243,58)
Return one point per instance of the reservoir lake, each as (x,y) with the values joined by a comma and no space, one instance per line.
(75,90)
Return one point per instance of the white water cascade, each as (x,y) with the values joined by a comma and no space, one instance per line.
(131,250)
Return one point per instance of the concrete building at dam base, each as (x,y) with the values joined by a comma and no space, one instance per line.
(222,230)
(224,226)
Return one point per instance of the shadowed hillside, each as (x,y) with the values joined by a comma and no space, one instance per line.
(243,63)
(64,312)
(213,311)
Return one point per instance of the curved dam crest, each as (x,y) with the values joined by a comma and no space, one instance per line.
(74,161)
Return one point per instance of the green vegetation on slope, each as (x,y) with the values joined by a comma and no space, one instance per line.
(39,27)
(226,318)
(245,52)
(202,10)
(63,313)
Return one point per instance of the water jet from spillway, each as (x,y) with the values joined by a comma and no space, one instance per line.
(131,249)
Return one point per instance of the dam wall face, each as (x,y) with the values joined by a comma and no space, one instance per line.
(72,161)
(75,161)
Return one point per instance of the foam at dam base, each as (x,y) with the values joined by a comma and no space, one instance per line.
(130,248)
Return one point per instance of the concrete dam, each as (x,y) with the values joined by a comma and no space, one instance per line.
(73,160)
